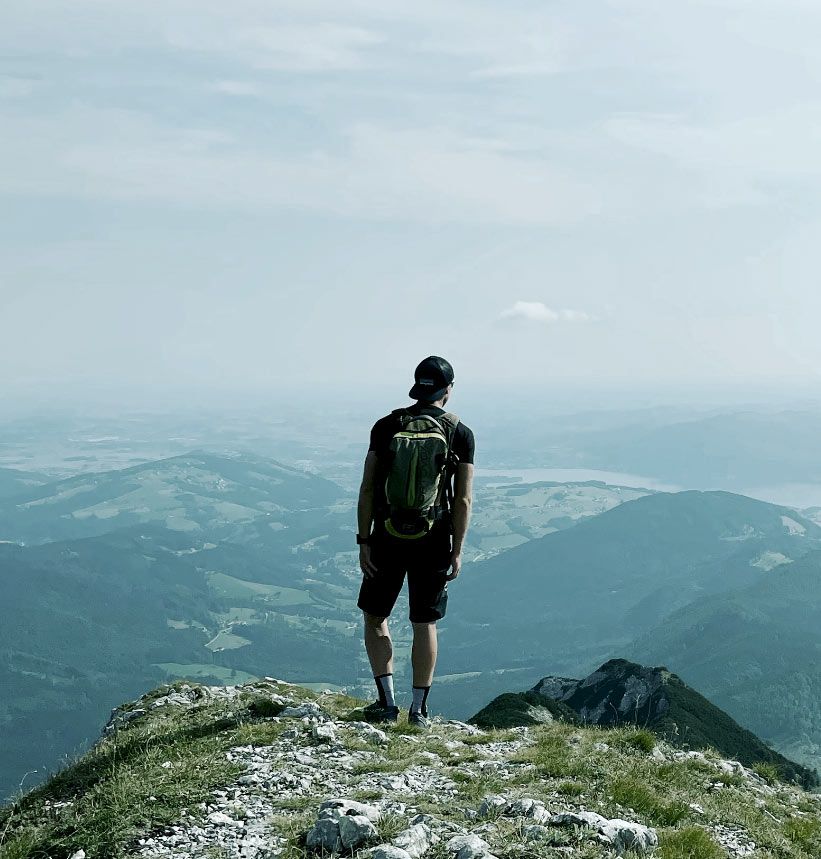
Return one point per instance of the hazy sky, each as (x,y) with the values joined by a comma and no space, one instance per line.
(229,193)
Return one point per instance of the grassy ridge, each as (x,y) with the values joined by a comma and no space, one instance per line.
(148,773)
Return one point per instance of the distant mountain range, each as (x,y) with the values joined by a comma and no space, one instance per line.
(220,567)
(193,492)
(576,595)
(622,692)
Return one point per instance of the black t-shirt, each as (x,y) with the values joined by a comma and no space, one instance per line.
(382,432)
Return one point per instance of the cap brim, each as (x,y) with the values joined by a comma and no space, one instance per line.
(421,392)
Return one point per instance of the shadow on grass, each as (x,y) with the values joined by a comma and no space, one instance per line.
(122,748)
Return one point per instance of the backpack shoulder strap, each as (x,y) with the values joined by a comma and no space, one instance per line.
(450,418)
(451,421)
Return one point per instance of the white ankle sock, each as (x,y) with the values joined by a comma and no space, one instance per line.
(420,700)
(384,685)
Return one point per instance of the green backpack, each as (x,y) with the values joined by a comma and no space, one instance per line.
(420,464)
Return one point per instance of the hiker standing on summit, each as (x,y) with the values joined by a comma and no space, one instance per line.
(413,514)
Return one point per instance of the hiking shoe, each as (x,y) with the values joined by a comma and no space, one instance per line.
(378,712)
(418,720)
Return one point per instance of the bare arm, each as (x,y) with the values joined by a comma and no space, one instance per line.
(364,511)
(462,503)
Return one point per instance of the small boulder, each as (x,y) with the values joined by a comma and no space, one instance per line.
(324,835)
(370,734)
(528,807)
(578,818)
(492,805)
(354,829)
(621,834)
(338,807)
(388,851)
(324,732)
(469,846)
(416,840)
(624,835)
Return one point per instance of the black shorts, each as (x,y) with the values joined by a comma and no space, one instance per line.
(426,562)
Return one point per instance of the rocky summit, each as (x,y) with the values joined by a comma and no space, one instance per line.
(270,769)
(622,692)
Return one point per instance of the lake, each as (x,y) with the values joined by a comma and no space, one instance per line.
(572,475)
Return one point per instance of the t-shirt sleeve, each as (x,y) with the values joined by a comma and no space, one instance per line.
(464,445)
(379,431)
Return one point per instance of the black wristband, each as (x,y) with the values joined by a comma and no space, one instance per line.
(363,541)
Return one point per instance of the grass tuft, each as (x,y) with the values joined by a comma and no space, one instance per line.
(639,739)
(804,832)
(570,788)
(689,842)
(632,793)
(769,772)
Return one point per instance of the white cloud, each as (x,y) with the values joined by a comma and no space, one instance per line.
(537,311)
(237,88)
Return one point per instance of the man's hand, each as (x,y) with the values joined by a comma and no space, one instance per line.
(365,562)
(455,564)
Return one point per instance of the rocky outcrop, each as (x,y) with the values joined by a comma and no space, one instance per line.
(617,693)
(622,692)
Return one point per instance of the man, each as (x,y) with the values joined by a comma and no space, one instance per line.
(413,515)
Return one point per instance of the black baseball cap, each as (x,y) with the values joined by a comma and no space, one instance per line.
(432,376)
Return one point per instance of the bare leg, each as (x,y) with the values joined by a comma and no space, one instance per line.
(378,644)
(423,654)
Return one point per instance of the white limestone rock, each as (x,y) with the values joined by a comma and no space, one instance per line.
(220,818)
(624,835)
(469,846)
(338,807)
(324,732)
(464,727)
(370,734)
(621,834)
(388,851)
(528,807)
(492,805)
(306,710)
(416,840)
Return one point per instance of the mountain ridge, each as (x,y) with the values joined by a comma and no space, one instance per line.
(621,692)
(272,769)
